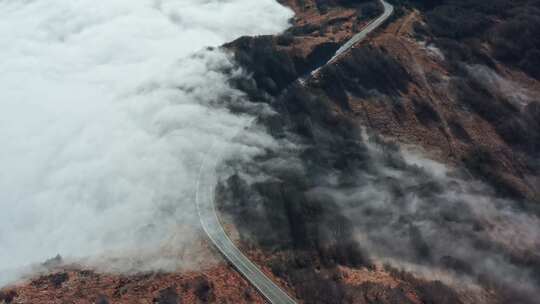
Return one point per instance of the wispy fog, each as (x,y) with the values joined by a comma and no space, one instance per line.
(107,109)
(420,215)
(493,82)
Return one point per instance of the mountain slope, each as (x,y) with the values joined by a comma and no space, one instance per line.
(410,167)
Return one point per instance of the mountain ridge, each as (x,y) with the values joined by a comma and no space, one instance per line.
(408,84)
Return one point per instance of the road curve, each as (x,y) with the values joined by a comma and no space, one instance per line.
(205,194)
(211,224)
(370,27)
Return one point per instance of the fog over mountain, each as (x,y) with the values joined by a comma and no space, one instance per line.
(107,110)
(166,151)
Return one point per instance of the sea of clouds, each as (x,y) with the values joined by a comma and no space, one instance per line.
(107,109)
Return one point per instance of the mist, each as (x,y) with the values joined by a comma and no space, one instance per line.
(436,221)
(357,199)
(107,110)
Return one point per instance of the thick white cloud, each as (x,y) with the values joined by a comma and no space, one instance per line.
(105,116)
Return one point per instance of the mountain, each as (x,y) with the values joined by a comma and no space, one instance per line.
(410,172)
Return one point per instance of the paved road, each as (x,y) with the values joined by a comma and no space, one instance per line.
(205,194)
(370,27)
(206,184)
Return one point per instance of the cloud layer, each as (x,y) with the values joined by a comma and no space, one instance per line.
(107,109)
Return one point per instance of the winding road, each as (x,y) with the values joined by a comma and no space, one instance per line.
(370,27)
(205,194)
